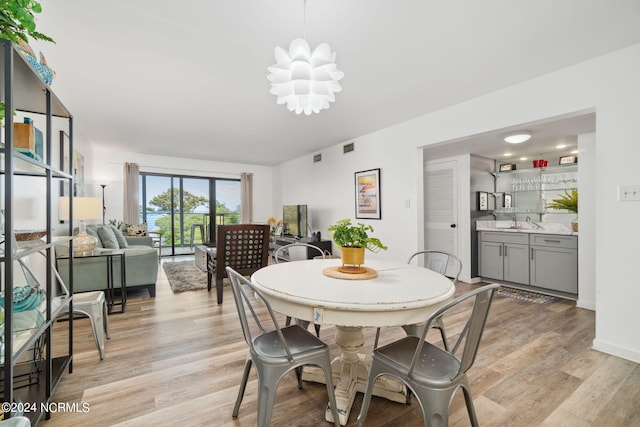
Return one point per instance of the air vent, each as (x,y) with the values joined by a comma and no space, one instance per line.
(347,148)
(317,158)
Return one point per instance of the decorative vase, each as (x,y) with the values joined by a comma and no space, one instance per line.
(574,226)
(352,260)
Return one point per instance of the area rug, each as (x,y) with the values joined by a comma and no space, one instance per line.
(184,276)
(527,296)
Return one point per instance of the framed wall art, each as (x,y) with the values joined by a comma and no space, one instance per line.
(483,201)
(506,167)
(65,161)
(507,200)
(368,194)
(567,160)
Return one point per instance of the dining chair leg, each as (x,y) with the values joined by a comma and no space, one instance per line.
(467,398)
(373,376)
(331,392)
(266,400)
(105,320)
(243,386)
(219,290)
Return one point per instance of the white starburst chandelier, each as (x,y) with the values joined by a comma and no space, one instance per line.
(303,79)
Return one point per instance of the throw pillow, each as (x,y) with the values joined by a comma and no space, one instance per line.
(108,238)
(122,242)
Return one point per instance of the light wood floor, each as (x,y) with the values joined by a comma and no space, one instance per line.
(177,360)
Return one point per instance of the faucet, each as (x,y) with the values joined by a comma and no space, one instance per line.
(515,221)
(535,224)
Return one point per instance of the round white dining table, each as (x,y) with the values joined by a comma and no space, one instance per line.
(401,294)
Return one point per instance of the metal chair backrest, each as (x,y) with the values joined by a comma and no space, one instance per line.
(246,296)
(439,261)
(472,331)
(296,252)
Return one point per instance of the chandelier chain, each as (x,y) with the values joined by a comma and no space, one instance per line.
(304,18)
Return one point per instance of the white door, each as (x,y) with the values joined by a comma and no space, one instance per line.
(441,206)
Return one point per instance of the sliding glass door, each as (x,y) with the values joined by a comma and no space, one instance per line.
(180,209)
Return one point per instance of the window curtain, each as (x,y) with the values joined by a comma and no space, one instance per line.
(131,194)
(246,197)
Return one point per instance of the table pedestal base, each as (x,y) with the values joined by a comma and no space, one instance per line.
(350,372)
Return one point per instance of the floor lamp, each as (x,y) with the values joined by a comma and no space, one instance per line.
(104,207)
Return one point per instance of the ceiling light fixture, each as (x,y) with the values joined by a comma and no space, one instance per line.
(518,137)
(305,80)
(561,146)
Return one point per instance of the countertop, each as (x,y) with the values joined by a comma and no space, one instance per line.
(526,227)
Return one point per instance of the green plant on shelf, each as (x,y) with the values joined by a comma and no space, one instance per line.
(568,201)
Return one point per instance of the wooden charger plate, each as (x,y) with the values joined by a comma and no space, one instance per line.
(337,272)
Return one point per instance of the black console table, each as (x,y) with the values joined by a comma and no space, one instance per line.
(324,245)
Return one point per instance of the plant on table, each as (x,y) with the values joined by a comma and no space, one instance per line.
(347,235)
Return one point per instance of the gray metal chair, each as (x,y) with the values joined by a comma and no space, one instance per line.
(90,304)
(431,373)
(298,251)
(437,261)
(275,352)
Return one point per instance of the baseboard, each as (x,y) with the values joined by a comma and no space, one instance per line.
(617,351)
(587,305)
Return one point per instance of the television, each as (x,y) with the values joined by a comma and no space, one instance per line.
(294,218)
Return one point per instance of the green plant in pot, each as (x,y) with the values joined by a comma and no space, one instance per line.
(353,239)
(17,23)
(568,201)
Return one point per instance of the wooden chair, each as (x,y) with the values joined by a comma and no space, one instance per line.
(243,247)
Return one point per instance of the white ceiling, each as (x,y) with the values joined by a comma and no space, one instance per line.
(189,79)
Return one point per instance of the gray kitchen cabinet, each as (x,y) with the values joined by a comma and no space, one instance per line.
(504,256)
(554,262)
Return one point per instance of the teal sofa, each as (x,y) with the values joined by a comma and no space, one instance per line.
(90,274)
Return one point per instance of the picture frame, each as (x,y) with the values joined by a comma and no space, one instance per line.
(506,167)
(367,194)
(483,201)
(567,160)
(507,200)
(65,161)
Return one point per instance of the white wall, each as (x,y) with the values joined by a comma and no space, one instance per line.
(608,84)
(108,169)
(587,221)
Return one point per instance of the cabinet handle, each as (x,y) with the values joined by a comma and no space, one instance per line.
(551,241)
(500,250)
(505,251)
(531,253)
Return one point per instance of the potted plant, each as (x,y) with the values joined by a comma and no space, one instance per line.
(17,22)
(568,201)
(353,239)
